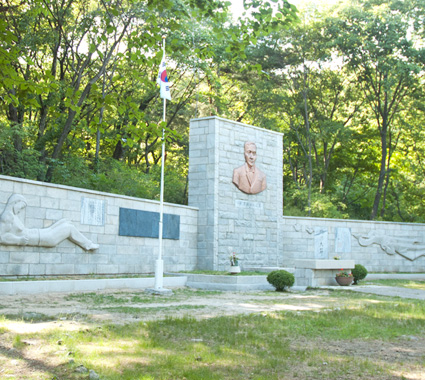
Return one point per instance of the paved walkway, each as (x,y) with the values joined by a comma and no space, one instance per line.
(389,291)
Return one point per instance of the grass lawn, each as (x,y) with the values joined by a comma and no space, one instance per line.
(351,336)
(411,284)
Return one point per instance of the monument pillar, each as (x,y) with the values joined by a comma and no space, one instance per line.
(231,220)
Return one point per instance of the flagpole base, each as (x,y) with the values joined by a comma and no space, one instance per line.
(159,280)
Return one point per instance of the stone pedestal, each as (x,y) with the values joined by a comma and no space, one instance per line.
(314,273)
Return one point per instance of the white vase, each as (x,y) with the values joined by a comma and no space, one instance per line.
(235,269)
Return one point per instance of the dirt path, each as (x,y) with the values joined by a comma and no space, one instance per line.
(125,306)
(82,311)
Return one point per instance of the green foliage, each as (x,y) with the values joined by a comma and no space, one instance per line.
(372,38)
(344,86)
(23,163)
(115,177)
(68,109)
(359,273)
(322,205)
(281,279)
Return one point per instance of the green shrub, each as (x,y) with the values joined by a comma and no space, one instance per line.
(359,273)
(281,279)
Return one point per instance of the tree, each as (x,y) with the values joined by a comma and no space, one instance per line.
(311,102)
(373,36)
(78,79)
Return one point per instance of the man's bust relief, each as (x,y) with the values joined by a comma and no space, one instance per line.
(248,178)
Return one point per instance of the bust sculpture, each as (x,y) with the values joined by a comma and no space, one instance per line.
(248,178)
(14,232)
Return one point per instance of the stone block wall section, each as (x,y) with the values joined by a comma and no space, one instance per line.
(392,247)
(220,220)
(48,203)
(254,227)
(230,220)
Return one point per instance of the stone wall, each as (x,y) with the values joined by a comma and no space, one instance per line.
(230,220)
(383,246)
(253,225)
(220,220)
(97,216)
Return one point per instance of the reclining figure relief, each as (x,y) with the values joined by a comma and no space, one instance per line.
(14,232)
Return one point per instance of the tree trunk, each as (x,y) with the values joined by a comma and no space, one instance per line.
(73,111)
(15,119)
(382,172)
(309,144)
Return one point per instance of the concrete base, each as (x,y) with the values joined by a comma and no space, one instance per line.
(315,273)
(50,286)
(208,282)
(268,269)
(229,283)
(324,264)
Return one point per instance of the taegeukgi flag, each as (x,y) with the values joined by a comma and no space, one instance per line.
(163,80)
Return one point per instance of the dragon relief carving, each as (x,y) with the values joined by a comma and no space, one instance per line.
(409,248)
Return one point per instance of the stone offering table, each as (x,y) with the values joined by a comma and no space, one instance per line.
(313,272)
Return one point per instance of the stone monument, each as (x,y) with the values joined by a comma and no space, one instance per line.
(232,217)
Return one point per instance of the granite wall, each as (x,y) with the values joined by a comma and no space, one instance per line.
(97,216)
(253,225)
(230,220)
(379,246)
(219,220)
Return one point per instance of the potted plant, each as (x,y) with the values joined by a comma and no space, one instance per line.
(344,278)
(234,264)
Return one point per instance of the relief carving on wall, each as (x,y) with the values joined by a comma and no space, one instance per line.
(248,178)
(300,228)
(409,248)
(14,232)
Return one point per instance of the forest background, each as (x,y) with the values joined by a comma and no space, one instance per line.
(79,103)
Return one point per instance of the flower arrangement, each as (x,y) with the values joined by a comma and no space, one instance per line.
(234,260)
(343,273)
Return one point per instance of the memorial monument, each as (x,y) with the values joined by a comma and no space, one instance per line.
(239,206)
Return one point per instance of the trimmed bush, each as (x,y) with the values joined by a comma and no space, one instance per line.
(281,279)
(359,273)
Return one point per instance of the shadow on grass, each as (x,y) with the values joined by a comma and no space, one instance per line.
(32,365)
(356,342)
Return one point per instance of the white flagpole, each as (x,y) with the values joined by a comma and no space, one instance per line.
(159,267)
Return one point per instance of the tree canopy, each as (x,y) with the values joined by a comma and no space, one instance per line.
(79,103)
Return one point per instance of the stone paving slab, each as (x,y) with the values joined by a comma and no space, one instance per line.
(391,291)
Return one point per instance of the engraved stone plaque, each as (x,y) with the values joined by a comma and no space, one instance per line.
(92,211)
(140,223)
(247,204)
(320,243)
(343,240)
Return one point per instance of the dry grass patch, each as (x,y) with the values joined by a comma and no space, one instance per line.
(257,335)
